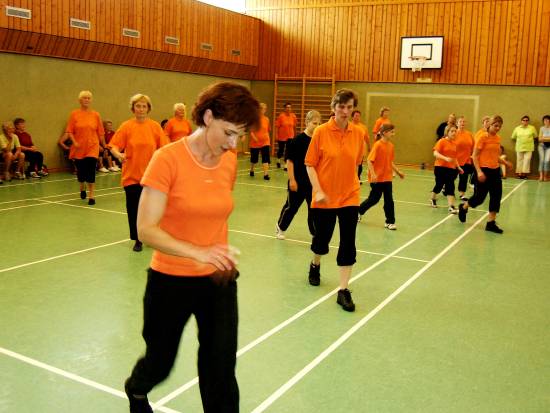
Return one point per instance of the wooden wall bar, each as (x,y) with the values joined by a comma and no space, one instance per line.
(502,42)
(191,21)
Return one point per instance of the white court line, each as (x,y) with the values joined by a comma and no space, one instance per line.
(54,196)
(317,360)
(74,377)
(305,310)
(330,246)
(92,208)
(47,181)
(63,255)
(44,201)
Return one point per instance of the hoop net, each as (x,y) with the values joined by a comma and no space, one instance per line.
(417,62)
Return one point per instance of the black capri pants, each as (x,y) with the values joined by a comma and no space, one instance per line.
(468,169)
(85,169)
(254,152)
(324,221)
(133,194)
(281,145)
(491,186)
(445,177)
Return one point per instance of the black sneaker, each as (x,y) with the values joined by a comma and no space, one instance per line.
(82,194)
(91,201)
(251,173)
(433,203)
(493,227)
(463,198)
(314,274)
(278,164)
(345,300)
(138,246)
(138,404)
(462,213)
(266,177)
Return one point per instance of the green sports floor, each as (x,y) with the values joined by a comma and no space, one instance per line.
(450,318)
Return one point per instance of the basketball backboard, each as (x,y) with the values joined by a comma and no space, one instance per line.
(424,46)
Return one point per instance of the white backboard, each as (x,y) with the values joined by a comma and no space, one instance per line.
(429,47)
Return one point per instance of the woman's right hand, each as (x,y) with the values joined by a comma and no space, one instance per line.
(481,177)
(223,257)
(122,158)
(321,197)
(293,185)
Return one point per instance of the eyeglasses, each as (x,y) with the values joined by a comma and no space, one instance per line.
(525,120)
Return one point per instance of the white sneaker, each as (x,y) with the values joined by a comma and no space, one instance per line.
(19,175)
(392,227)
(452,210)
(279,233)
(103,169)
(34,175)
(115,168)
(112,169)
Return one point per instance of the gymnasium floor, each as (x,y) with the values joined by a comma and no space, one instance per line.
(449,318)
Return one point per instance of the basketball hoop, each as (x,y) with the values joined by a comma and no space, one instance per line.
(417,62)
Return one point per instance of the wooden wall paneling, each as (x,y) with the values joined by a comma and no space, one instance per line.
(354,33)
(502,44)
(532,49)
(543,72)
(536,24)
(395,43)
(521,51)
(470,48)
(513,45)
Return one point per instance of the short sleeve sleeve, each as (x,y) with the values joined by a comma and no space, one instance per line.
(120,137)
(312,155)
(158,174)
(100,129)
(71,123)
(373,153)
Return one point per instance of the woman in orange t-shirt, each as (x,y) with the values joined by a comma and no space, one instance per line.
(332,158)
(487,162)
(133,145)
(285,129)
(183,214)
(446,168)
(259,143)
(178,126)
(384,118)
(464,141)
(85,131)
(380,169)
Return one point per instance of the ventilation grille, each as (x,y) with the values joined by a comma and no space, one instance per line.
(207,46)
(17,12)
(130,33)
(80,24)
(172,40)
(235,52)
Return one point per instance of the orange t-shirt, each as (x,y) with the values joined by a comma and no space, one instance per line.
(479,133)
(261,134)
(138,140)
(86,127)
(285,125)
(176,128)
(445,147)
(335,155)
(366,131)
(464,147)
(489,150)
(198,206)
(381,156)
(378,124)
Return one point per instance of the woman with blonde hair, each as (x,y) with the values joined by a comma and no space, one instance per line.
(299,186)
(178,126)
(133,145)
(85,130)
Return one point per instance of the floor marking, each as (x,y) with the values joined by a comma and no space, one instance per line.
(305,310)
(63,255)
(93,208)
(54,196)
(330,246)
(47,181)
(75,377)
(317,360)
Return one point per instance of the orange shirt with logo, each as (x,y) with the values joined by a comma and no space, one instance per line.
(262,134)
(335,155)
(86,127)
(489,150)
(138,140)
(176,128)
(198,206)
(445,147)
(464,141)
(381,156)
(378,124)
(286,125)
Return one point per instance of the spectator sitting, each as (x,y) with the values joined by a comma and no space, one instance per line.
(65,142)
(104,153)
(32,154)
(11,152)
